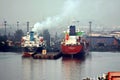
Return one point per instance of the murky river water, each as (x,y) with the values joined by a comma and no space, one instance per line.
(14,67)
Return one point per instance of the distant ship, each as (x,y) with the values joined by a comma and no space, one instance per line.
(74,43)
(32,43)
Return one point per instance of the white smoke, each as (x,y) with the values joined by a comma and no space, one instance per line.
(68,10)
(49,22)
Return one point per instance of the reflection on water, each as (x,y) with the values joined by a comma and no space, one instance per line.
(61,69)
(41,69)
(71,68)
(10,66)
(14,67)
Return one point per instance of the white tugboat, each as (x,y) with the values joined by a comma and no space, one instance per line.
(32,43)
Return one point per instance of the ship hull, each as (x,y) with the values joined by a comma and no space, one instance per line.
(74,51)
(29,51)
(71,49)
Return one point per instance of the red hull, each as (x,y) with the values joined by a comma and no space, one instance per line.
(113,76)
(71,49)
(26,54)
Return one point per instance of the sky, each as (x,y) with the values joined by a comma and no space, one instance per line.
(58,14)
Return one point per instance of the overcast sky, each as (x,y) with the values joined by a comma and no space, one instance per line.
(56,12)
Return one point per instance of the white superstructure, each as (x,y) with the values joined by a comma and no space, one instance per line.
(32,40)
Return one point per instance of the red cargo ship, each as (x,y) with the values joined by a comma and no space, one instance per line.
(74,43)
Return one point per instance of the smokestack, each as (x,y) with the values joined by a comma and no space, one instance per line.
(27,26)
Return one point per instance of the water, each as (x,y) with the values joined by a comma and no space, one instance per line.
(14,67)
